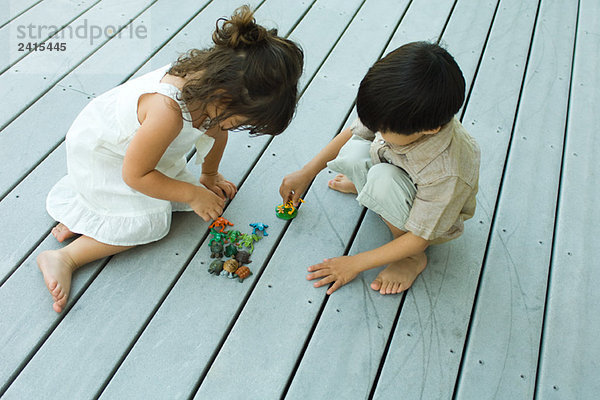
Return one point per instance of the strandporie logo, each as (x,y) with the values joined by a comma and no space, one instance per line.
(83,30)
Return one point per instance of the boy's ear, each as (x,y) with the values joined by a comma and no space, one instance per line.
(433,131)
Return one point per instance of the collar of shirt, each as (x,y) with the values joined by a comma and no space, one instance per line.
(424,150)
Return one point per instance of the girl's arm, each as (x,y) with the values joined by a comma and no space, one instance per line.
(294,184)
(161,122)
(210,165)
(211,178)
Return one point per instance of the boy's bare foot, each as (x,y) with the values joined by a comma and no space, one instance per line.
(61,232)
(341,183)
(400,275)
(57,269)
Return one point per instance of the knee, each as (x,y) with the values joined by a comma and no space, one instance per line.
(387,181)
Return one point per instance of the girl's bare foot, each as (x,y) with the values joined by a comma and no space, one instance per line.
(341,183)
(57,268)
(62,233)
(400,275)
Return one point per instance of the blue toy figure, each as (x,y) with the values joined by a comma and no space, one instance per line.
(260,227)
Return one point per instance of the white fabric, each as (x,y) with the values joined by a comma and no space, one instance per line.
(92,199)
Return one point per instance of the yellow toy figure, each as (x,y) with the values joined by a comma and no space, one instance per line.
(287,210)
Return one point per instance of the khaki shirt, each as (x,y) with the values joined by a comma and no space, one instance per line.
(445,169)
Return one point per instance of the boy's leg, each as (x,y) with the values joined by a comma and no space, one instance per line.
(400,275)
(57,266)
(353,163)
(389,192)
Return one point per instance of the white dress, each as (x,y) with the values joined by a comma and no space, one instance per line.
(92,199)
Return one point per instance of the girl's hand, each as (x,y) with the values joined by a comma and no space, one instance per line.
(339,270)
(293,185)
(206,204)
(219,185)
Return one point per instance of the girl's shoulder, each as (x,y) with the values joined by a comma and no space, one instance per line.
(160,109)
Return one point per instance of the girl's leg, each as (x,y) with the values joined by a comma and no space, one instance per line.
(57,266)
(61,232)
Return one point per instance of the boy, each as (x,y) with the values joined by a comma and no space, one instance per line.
(407,158)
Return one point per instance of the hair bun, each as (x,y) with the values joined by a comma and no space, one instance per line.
(240,31)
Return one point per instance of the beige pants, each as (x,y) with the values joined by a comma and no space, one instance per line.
(383,188)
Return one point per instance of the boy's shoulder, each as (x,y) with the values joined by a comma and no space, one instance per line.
(460,158)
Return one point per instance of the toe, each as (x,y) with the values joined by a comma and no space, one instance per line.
(376,284)
(396,287)
(384,286)
(56,292)
(56,307)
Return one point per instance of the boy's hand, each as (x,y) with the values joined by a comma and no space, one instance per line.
(219,185)
(206,204)
(339,270)
(293,185)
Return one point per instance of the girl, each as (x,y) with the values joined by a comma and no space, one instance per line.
(126,151)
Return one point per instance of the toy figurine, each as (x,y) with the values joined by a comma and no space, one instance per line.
(233,236)
(216,267)
(217,236)
(216,250)
(260,227)
(229,267)
(287,210)
(248,241)
(220,223)
(242,273)
(243,257)
(230,250)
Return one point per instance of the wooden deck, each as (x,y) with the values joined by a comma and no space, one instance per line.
(510,310)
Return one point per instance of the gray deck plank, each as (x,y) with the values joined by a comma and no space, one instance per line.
(106,68)
(570,350)
(98,328)
(466,35)
(358,340)
(507,322)
(34,26)
(194,343)
(437,309)
(24,213)
(273,335)
(12,9)
(24,82)
(352,332)
(25,327)
(247,340)
(280,15)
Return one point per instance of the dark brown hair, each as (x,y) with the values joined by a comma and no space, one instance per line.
(415,88)
(251,70)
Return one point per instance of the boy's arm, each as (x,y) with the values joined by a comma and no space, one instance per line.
(294,184)
(341,270)
(328,153)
